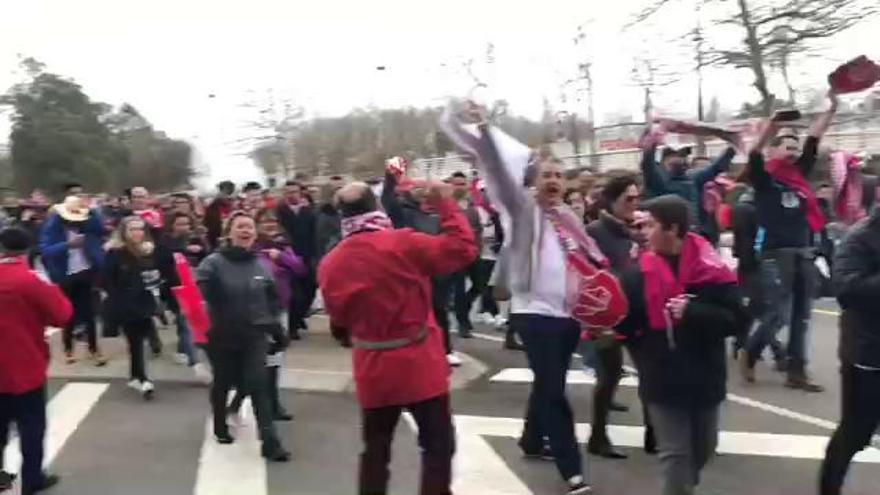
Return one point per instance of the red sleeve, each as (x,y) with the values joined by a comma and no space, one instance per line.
(450,251)
(51,303)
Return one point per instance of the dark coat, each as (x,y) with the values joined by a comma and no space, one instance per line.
(300,229)
(614,240)
(136,285)
(695,372)
(857,283)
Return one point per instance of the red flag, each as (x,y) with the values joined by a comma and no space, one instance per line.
(858,74)
(191,302)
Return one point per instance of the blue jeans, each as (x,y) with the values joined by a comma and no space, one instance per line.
(787,286)
(549,343)
(184,340)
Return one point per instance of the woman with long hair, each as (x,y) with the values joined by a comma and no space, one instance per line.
(243,304)
(277,256)
(134,273)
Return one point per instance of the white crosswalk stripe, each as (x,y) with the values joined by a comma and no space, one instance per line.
(232,469)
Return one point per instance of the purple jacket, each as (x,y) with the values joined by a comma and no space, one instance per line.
(287,267)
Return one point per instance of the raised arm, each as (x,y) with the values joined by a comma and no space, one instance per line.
(720,165)
(390,202)
(454,248)
(656,179)
(822,122)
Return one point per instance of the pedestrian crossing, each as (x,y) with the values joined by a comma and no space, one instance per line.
(104,440)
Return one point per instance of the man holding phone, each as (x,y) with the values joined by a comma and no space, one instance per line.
(790,220)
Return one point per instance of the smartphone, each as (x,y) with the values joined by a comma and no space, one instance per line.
(787,116)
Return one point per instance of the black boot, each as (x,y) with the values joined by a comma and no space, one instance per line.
(6,480)
(602,447)
(273,451)
(650,441)
(798,379)
(510,343)
(48,481)
(281,414)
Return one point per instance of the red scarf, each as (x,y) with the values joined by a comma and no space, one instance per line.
(373,221)
(699,264)
(785,171)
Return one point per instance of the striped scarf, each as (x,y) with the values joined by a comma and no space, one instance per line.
(373,221)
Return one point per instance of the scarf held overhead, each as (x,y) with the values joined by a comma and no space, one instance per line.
(699,264)
(786,171)
(373,221)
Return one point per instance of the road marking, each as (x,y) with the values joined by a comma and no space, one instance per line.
(484,336)
(477,467)
(67,409)
(574,377)
(233,469)
(826,312)
(729,442)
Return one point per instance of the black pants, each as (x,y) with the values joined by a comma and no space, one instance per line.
(136,333)
(440,298)
(461,298)
(79,288)
(243,366)
(550,343)
(609,369)
(28,411)
(436,439)
(860,416)
(482,272)
(304,292)
(271,388)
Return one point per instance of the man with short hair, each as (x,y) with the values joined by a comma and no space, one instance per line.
(28,306)
(297,218)
(683,303)
(461,193)
(790,220)
(218,211)
(377,291)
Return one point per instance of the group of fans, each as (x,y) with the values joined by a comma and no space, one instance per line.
(604,262)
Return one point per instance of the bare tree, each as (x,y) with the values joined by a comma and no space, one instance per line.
(774,30)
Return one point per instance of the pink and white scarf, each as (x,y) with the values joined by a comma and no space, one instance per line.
(373,221)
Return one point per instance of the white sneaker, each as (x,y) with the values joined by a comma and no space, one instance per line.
(485,318)
(203,373)
(453,360)
(500,321)
(135,385)
(147,389)
(181,358)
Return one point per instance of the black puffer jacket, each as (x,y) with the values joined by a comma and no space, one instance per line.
(136,284)
(695,372)
(857,284)
(614,240)
(241,296)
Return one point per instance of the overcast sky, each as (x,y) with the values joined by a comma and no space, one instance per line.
(166,57)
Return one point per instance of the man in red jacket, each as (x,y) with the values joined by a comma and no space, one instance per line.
(28,306)
(376,286)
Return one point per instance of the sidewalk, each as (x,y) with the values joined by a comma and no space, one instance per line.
(315,363)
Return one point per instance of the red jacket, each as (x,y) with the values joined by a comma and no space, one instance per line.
(28,306)
(377,286)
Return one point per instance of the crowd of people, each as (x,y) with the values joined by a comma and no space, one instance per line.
(603,263)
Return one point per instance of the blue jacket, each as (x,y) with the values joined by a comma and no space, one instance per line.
(658,181)
(54,249)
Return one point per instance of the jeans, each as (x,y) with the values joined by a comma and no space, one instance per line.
(242,367)
(78,289)
(608,373)
(436,439)
(28,411)
(860,417)
(550,342)
(136,332)
(787,286)
(184,340)
(686,437)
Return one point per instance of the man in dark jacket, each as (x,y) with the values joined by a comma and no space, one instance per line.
(790,220)
(328,230)
(297,218)
(461,192)
(683,304)
(857,283)
(612,233)
(28,306)
(217,212)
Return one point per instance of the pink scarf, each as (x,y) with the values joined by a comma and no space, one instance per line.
(786,172)
(699,264)
(373,221)
(848,187)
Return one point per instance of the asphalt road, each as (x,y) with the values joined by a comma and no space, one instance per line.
(106,441)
